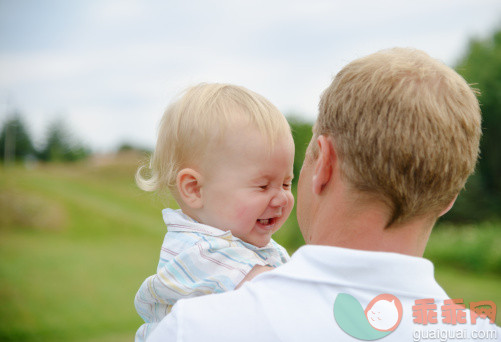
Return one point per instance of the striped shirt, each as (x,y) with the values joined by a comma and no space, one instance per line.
(195,260)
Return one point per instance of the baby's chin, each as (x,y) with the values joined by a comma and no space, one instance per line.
(260,235)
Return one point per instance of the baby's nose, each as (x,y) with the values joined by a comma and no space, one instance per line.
(280,199)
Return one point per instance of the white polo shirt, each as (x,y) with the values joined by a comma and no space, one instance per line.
(295,302)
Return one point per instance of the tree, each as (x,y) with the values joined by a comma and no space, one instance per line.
(60,146)
(301,132)
(127,147)
(481,67)
(15,141)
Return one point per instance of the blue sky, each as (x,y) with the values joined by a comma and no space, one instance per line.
(109,68)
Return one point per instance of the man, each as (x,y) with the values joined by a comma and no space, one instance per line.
(396,138)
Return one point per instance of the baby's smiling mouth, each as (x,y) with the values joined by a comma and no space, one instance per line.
(268,221)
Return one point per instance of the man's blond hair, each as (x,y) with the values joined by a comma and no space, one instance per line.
(193,125)
(406,128)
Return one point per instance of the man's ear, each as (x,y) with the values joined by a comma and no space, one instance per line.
(449,206)
(189,186)
(323,164)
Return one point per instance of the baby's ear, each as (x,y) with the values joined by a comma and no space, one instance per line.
(189,184)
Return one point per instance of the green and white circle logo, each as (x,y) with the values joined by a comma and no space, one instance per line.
(381,317)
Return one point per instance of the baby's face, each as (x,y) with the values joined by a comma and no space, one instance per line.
(247,186)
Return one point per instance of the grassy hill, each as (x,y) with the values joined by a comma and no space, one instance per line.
(76,241)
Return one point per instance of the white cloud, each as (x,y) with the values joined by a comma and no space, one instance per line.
(112,66)
(118,11)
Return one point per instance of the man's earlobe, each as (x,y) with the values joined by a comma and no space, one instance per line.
(323,164)
(189,186)
(449,207)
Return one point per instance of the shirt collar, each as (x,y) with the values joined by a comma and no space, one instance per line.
(363,269)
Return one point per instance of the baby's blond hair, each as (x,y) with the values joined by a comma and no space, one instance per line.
(406,128)
(198,119)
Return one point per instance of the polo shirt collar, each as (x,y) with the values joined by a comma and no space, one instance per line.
(381,271)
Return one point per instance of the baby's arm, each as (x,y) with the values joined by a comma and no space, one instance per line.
(205,268)
(255,271)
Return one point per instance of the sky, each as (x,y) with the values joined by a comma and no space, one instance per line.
(107,69)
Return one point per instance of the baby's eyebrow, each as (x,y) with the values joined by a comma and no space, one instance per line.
(260,178)
(266,178)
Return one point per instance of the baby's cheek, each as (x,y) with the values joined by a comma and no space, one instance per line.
(241,213)
(290,203)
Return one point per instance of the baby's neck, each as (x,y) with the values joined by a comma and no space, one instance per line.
(190,214)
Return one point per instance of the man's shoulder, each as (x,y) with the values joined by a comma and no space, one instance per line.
(276,306)
(225,315)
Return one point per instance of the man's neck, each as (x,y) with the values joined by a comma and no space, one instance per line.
(350,224)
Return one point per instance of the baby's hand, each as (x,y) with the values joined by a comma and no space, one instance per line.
(256,270)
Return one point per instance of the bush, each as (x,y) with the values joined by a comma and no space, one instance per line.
(472,248)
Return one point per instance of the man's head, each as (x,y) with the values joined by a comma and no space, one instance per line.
(405,128)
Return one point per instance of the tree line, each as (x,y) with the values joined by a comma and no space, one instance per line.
(480,200)
(481,67)
(16,143)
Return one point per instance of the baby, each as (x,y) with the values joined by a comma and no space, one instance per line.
(226,155)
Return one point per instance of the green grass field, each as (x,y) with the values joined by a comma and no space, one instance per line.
(76,241)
